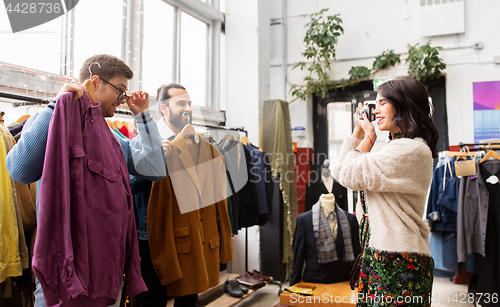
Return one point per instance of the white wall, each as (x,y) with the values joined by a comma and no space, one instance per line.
(371,27)
(248,85)
(255,61)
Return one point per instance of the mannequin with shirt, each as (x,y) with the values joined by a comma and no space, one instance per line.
(327,178)
(326,240)
(325,184)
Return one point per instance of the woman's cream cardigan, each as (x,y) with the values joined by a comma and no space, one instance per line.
(396,179)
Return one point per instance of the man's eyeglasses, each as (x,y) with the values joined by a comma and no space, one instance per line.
(122,96)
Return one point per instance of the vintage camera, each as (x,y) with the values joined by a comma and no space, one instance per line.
(368,109)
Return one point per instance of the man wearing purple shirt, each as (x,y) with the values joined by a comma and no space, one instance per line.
(143,156)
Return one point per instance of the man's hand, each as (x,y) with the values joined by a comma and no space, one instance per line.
(167,147)
(76,87)
(138,102)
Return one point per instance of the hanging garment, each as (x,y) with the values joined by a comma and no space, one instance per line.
(247,213)
(188,224)
(443,196)
(86,237)
(275,138)
(21,200)
(260,177)
(124,131)
(489,266)
(24,194)
(306,252)
(10,260)
(237,177)
(473,212)
(303,160)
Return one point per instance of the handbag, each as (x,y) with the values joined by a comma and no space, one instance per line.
(356,268)
(465,167)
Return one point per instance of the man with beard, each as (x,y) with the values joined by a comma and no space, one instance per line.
(175,105)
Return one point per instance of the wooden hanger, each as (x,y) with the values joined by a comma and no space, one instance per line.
(110,124)
(460,153)
(129,126)
(244,140)
(22,118)
(490,154)
(117,124)
(188,131)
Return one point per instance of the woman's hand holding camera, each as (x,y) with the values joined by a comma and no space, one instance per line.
(364,127)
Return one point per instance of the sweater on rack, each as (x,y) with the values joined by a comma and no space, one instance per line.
(396,179)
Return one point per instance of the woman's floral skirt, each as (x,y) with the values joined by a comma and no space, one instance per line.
(395,279)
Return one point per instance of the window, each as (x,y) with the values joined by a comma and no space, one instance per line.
(29,47)
(157,56)
(98,29)
(163,41)
(193,58)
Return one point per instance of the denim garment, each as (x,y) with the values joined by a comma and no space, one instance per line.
(441,204)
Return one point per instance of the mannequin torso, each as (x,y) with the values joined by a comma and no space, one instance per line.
(328,182)
(327,201)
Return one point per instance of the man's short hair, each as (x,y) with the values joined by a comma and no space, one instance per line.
(111,66)
(163,96)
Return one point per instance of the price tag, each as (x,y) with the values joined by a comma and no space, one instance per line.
(492,179)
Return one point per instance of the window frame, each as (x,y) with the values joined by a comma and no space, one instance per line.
(132,42)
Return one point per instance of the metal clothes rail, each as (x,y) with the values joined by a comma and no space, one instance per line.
(486,145)
(27,100)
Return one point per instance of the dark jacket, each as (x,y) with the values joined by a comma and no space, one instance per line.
(473,211)
(316,187)
(304,250)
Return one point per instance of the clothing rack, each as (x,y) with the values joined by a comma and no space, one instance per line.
(124,112)
(239,129)
(30,101)
(462,145)
(27,100)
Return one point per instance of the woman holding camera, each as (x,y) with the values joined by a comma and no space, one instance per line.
(397,268)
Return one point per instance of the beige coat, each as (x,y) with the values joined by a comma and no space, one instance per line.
(396,180)
(186,249)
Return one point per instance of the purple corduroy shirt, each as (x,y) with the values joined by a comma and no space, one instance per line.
(87,238)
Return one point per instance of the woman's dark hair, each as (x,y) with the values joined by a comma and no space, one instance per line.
(412,110)
(163,96)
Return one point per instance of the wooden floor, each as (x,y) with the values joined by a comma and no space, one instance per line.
(215,297)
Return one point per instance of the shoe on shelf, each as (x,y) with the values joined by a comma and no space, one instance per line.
(261,276)
(242,287)
(233,288)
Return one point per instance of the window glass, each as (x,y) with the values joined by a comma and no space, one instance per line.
(222,6)
(36,48)
(157,50)
(223,71)
(193,58)
(98,29)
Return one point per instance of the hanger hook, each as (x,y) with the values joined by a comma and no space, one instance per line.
(91,66)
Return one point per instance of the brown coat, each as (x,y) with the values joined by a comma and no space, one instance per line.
(186,249)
